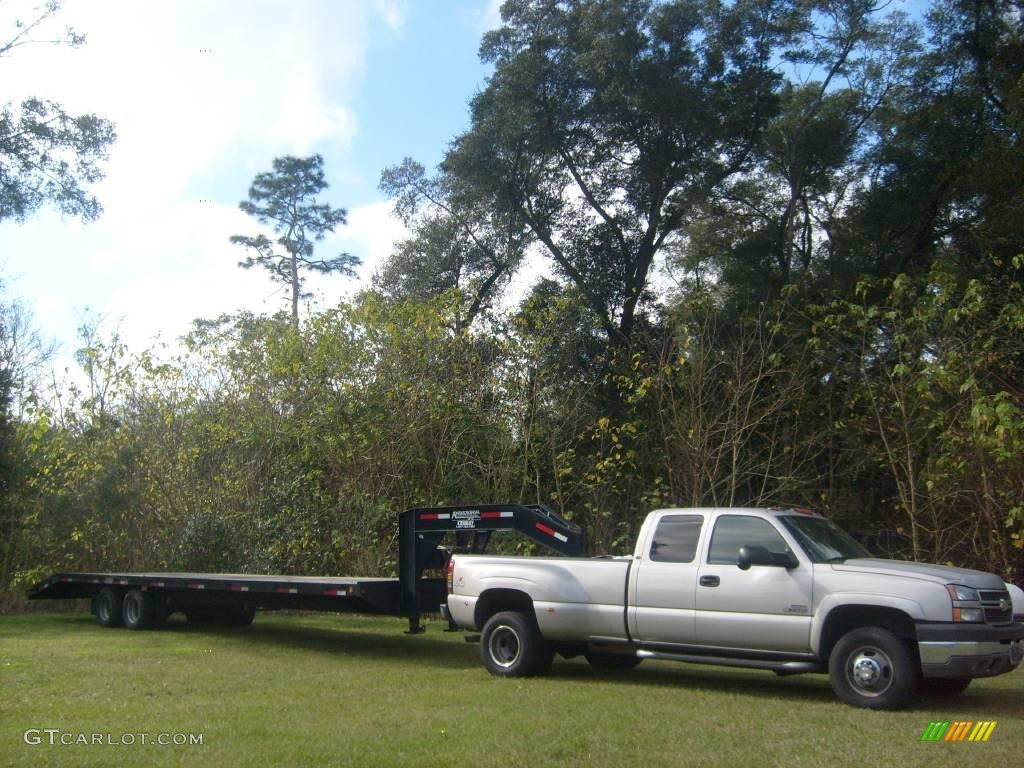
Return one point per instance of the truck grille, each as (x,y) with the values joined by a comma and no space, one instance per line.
(991,600)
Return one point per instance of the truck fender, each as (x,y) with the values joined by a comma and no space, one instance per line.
(497,599)
(547,582)
(854,609)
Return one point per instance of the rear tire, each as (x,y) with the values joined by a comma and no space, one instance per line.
(871,667)
(511,645)
(110,607)
(940,687)
(141,610)
(611,662)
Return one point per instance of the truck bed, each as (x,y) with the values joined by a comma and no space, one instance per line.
(574,598)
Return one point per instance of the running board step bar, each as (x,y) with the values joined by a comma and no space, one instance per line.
(779,667)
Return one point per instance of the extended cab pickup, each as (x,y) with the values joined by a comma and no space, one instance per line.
(782,590)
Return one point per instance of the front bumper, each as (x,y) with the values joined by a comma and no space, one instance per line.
(969,650)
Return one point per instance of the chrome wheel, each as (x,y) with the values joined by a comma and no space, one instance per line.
(503,646)
(869,671)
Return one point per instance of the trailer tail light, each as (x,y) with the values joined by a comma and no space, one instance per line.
(451,574)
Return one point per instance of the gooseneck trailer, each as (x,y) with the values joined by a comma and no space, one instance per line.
(145,600)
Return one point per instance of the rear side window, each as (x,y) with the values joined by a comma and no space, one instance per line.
(735,531)
(675,538)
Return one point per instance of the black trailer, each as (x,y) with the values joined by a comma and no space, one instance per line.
(143,600)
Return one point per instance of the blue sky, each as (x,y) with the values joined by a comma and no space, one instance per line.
(363,82)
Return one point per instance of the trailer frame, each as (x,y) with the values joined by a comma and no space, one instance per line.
(421,533)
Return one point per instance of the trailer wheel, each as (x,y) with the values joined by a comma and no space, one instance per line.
(873,668)
(610,662)
(109,607)
(141,610)
(511,646)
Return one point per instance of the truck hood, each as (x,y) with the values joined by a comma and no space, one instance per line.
(941,574)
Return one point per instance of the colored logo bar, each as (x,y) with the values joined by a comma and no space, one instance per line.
(959,730)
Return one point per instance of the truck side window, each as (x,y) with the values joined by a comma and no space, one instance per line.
(735,531)
(675,538)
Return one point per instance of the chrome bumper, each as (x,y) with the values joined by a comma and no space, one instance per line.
(964,658)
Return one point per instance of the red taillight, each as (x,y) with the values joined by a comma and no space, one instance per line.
(451,574)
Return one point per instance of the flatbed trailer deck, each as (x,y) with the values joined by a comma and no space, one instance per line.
(140,600)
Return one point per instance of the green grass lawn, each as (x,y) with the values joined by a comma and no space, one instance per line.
(353,690)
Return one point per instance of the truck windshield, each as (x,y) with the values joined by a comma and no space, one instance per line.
(824,541)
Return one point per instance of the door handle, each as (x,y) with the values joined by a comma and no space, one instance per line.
(710,581)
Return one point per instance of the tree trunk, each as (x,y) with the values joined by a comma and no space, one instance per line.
(295,291)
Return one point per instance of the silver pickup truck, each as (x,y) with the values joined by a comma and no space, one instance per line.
(777,589)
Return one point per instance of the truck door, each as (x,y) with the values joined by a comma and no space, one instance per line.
(665,582)
(763,608)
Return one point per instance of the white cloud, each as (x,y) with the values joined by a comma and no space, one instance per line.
(370,234)
(279,77)
(392,12)
(491,17)
(376,230)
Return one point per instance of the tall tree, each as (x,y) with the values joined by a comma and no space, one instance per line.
(286,200)
(605,121)
(458,243)
(780,221)
(948,172)
(46,154)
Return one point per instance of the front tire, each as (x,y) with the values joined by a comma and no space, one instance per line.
(511,645)
(871,667)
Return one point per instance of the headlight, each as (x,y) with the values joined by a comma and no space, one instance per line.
(958,592)
(966,604)
(968,614)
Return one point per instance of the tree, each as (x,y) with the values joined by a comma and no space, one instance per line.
(458,243)
(948,169)
(780,221)
(22,356)
(606,121)
(46,154)
(285,199)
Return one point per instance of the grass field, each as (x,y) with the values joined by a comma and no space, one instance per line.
(348,690)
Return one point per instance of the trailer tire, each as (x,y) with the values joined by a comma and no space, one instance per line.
(109,606)
(141,610)
(511,645)
(873,668)
(611,662)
